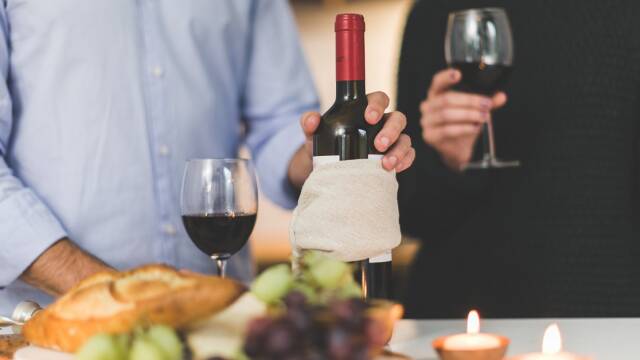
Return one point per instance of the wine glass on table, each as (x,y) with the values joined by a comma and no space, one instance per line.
(219,204)
(479,44)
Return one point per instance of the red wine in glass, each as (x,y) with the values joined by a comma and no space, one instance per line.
(219,203)
(219,235)
(479,43)
(481,78)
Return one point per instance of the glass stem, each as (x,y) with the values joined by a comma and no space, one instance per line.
(221,264)
(489,145)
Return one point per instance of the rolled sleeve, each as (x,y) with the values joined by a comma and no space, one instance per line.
(27,229)
(279,89)
(272,162)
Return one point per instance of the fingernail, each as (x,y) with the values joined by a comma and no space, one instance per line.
(392,161)
(486,115)
(373,115)
(384,141)
(454,74)
(486,103)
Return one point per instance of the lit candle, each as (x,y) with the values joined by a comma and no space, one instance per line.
(473,339)
(551,347)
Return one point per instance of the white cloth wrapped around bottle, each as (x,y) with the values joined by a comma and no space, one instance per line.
(347,209)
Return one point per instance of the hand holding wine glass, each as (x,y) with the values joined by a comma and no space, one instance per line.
(452,120)
(219,206)
(479,45)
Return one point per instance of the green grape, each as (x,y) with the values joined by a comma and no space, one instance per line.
(307,290)
(273,283)
(122,343)
(350,290)
(144,348)
(330,274)
(100,347)
(167,340)
(310,258)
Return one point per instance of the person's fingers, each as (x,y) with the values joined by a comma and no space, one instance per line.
(378,103)
(407,161)
(460,100)
(309,122)
(452,131)
(457,115)
(396,155)
(443,80)
(393,127)
(499,99)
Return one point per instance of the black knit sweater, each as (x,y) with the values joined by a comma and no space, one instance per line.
(559,235)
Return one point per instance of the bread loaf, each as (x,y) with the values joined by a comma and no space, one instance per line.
(115,302)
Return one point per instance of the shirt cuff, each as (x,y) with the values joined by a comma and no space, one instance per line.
(273,161)
(27,229)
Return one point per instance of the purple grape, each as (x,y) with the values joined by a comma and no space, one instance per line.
(339,344)
(295,300)
(350,312)
(299,319)
(256,334)
(280,339)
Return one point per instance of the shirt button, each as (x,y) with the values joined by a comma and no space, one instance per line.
(163,150)
(169,229)
(157,71)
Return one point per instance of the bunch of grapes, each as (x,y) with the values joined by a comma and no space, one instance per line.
(318,314)
(339,331)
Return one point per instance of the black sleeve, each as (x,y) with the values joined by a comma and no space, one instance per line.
(433,199)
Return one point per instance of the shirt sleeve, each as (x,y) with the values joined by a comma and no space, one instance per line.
(279,89)
(27,227)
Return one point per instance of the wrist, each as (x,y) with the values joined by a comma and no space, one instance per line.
(62,266)
(300,167)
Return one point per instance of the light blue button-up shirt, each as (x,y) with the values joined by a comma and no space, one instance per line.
(103,101)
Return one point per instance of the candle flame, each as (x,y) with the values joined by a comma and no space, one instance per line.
(552,340)
(473,322)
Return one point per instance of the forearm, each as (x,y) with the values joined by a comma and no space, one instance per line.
(60,267)
(300,167)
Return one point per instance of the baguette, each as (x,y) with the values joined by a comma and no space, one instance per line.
(117,302)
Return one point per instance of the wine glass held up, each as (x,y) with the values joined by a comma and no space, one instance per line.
(479,44)
(219,204)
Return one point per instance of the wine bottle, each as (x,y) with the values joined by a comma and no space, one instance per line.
(343,133)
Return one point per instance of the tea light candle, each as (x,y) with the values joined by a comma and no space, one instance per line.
(551,347)
(473,339)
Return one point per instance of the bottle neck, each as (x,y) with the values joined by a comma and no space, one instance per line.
(350,90)
(350,56)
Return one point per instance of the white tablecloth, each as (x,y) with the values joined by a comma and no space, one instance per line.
(602,339)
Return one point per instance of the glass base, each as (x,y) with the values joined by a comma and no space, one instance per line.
(491,163)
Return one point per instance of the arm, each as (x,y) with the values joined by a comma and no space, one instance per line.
(278,89)
(28,229)
(60,267)
(434,199)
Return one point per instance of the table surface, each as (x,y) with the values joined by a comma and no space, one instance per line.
(603,339)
